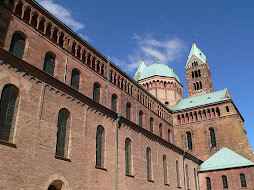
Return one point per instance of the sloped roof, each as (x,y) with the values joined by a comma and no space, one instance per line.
(141,67)
(197,52)
(201,100)
(224,159)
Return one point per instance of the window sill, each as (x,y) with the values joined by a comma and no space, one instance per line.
(128,175)
(98,167)
(6,143)
(150,180)
(62,158)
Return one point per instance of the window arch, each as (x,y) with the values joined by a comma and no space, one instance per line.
(63,127)
(187,176)
(75,79)
(17,46)
(243,180)
(212,137)
(8,110)
(49,64)
(151,124)
(128,110)
(96,92)
(149,163)
(128,156)
(160,130)
(100,136)
(189,140)
(113,102)
(140,118)
(208,183)
(177,174)
(225,182)
(165,170)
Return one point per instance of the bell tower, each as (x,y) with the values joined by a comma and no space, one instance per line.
(198,74)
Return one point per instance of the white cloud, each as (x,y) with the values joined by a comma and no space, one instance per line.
(85,37)
(62,14)
(149,48)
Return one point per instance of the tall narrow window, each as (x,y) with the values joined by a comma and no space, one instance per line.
(75,79)
(8,109)
(195,178)
(243,180)
(128,111)
(208,183)
(17,46)
(160,130)
(165,170)
(177,174)
(169,135)
(96,92)
(195,88)
(212,137)
(49,64)
(187,176)
(149,163)
(199,73)
(151,124)
(200,84)
(189,140)
(128,156)
(100,147)
(227,109)
(140,118)
(225,182)
(192,74)
(113,102)
(62,129)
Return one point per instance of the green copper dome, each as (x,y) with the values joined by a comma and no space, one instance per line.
(157,69)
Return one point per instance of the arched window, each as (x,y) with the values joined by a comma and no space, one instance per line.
(75,79)
(128,156)
(151,124)
(96,92)
(160,130)
(225,182)
(49,64)
(192,74)
(169,135)
(199,73)
(189,140)
(8,110)
(113,102)
(17,46)
(187,176)
(197,85)
(196,74)
(200,85)
(128,110)
(177,174)
(100,146)
(63,126)
(140,118)
(195,178)
(208,183)
(212,137)
(195,88)
(149,163)
(165,170)
(243,180)
(227,109)
(51,187)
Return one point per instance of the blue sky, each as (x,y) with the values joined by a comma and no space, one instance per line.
(128,31)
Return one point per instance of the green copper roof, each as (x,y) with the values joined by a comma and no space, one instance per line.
(157,69)
(197,52)
(201,100)
(224,158)
(141,67)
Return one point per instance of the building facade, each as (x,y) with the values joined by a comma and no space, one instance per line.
(71,120)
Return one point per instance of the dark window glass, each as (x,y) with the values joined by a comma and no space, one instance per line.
(224,182)
(140,118)
(227,109)
(192,74)
(165,171)
(99,146)
(17,46)
(208,183)
(62,125)
(75,79)
(128,156)
(96,92)
(113,102)
(149,163)
(243,180)
(49,64)
(160,130)
(8,107)
(212,137)
(189,139)
(151,125)
(168,135)
(200,84)
(128,111)
(51,187)
(177,174)
(199,73)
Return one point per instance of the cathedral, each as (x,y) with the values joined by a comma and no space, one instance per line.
(70,119)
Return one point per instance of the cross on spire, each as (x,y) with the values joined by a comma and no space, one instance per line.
(156,60)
